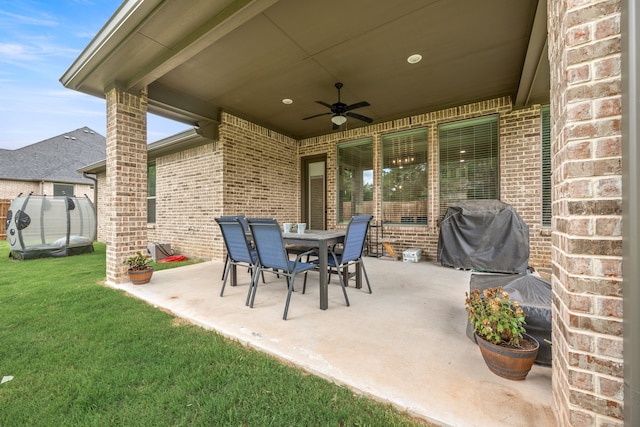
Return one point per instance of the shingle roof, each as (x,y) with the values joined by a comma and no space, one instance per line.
(55,159)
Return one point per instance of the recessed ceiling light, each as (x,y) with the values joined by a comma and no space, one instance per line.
(414,59)
(287,101)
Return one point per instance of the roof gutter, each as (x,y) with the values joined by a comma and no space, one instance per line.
(120,26)
(536,53)
(185,140)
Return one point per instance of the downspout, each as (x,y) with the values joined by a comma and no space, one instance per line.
(95,186)
(630,19)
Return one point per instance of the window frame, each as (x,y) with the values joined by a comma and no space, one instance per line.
(151,188)
(410,149)
(59,189)
(340,202)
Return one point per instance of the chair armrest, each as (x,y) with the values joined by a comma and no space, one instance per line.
(307,253)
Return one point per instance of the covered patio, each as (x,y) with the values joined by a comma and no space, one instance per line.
(404,344)
(246,76)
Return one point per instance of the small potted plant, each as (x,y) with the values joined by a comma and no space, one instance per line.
(498,324)
(138,268)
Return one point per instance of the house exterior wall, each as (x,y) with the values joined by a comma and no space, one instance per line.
(102,206)
(521,179)
(584,54)
(9,189)
(520,186)
(186,200)
(261,174)
(250,170)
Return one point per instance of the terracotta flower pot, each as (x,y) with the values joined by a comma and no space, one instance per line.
(507,362)
(140,277)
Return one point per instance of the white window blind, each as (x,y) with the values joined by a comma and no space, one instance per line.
(546,166)
(468,161)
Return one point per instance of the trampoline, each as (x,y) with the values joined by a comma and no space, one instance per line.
(50,226)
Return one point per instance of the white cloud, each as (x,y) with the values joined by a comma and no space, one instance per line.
(15,51)
(14,18)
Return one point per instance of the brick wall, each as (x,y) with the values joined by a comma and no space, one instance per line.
(102,207)
(261,174)
(250,170)
(584,52)
(520,143)
(10,189)
(187,196)
(520,179)
(126,179)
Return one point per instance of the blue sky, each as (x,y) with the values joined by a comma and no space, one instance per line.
(39,40)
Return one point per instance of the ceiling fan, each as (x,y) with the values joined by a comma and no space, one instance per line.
(340,111)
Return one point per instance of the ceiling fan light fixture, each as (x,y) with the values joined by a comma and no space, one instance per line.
(414,59)
(339,110)
(338,119)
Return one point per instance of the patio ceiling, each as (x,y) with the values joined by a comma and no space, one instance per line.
(245,57)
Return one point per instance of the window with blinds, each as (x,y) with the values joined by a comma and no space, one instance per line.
(404,177)
(355,179)
(151,193)
(468,161)
(546,166)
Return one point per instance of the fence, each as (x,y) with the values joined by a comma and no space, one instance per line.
(4,208)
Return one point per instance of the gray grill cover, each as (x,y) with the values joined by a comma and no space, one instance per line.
(484,235)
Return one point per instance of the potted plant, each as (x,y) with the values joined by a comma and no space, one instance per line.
(498,324)
(139,270)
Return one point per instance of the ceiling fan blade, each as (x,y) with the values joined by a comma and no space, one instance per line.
(357,105)
(317,115)
(325,104)
(360,117)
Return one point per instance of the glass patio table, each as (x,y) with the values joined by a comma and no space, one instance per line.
(322,240)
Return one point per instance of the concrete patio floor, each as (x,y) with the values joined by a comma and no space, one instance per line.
(405,344)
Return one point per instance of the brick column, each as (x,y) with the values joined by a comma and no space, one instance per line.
(584,52)
(126,183)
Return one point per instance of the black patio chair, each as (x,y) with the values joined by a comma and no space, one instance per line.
(273,258)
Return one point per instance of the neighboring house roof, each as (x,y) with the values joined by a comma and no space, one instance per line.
(55,159)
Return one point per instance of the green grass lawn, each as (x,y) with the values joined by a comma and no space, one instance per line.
(82,354)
